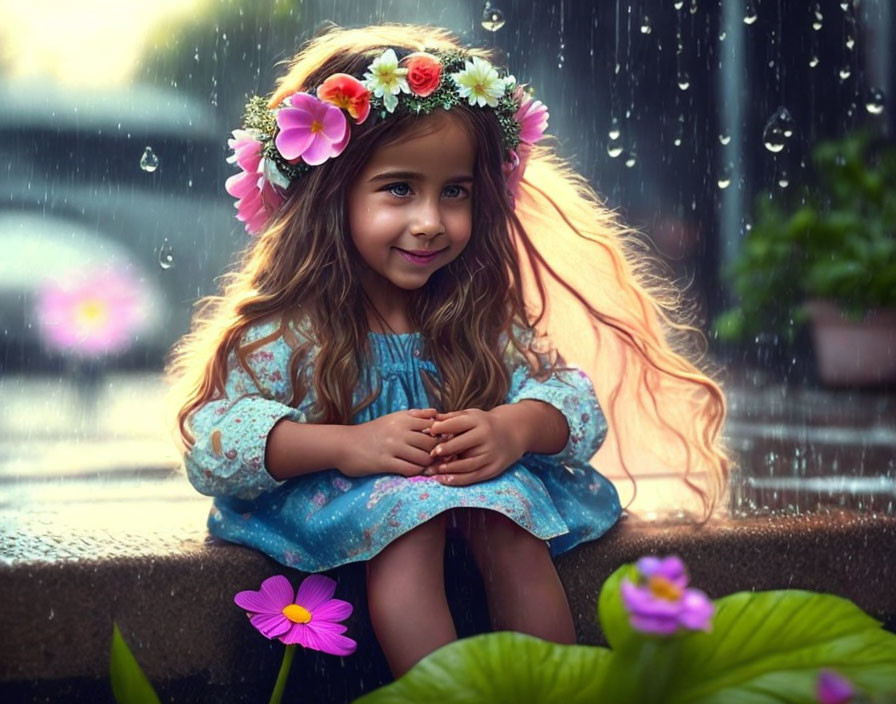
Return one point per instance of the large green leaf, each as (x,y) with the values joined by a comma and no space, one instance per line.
(501,667)
(129,684)
(770,646)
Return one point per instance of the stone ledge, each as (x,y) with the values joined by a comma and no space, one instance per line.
(175,606)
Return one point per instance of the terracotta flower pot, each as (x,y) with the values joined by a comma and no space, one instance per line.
(851,353)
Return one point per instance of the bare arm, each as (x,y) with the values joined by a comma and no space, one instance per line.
(294,449)
(539,427)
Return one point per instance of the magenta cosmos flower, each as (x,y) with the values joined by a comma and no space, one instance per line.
(311,130)
(93,313)
(253,188)
(308,617)
(831,688)
(660,603)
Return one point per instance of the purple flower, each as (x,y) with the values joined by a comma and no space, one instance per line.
(660,602)
(311,130)
(256,196)
(308,617)
(831,688)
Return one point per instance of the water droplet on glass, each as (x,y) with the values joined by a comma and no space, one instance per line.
(645,25)
(724,139)
(492,18)
(149,162)
(166,255)
(813,61)
(684,81)
(750,15)
(614,129)
(679,4)
(845,73)
(874,101)
(778,130)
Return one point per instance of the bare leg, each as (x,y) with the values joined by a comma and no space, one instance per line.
(406,596)
(523,589)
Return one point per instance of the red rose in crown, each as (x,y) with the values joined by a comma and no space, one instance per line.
(424,72)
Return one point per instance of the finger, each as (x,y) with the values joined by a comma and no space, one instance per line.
(467,479)
(464,466)
(465,442)
(420,424)
(455,424)
(407,469)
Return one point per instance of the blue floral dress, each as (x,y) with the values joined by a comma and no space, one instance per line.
(318,521)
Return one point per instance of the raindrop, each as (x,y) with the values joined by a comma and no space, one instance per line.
(750,15)
(724,139)
(614,129)
(783,180)
(778,130)
(722,36)
(844,6)
(149,162)
(693,7)
(679,4)
(724,181)
(818,17)
(631,159)
(614,149)
(850,42)
(813,61)
(492,18)
(874,101)
(845,73)
(645,25)
(166,255)
(684,81)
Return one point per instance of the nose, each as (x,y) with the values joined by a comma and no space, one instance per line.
(427,220)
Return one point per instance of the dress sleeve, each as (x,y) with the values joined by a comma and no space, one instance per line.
(570,392)
(231,432)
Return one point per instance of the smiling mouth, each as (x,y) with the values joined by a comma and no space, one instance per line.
(422,255)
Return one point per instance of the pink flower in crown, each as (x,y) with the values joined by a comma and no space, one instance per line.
(254,189)
(311,130)
(93,313)
(532,116)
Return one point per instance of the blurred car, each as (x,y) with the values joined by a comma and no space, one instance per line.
(113,213)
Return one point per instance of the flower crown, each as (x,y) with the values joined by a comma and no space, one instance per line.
(276,147)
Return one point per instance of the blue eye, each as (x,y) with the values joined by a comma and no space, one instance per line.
(458,190)
(392,186)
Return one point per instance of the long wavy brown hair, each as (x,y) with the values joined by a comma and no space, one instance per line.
(559,252)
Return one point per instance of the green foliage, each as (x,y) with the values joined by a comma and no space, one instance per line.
(129,684)
(837,243)
(763,647)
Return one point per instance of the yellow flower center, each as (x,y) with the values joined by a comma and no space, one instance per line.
(296,613)
(664,589)
(92,312)
(480,89)
(317,126)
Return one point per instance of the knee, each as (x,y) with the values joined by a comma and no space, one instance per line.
(419,548)
(500,543)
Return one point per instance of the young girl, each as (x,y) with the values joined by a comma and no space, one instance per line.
(374,373)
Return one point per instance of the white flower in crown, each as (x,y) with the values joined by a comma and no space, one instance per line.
(386,80)
(479,83)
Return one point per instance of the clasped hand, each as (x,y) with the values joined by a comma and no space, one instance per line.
(458,448)
(479,445)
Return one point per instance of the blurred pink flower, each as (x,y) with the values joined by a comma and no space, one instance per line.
(256,195)
(311,130)
(831,688)
(92,313)
(308,617)
(660,603)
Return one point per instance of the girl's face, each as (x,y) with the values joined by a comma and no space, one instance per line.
(414,195)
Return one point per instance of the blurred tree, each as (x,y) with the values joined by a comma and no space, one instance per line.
(224,52)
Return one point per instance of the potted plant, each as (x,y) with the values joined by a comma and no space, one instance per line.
(828,258)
